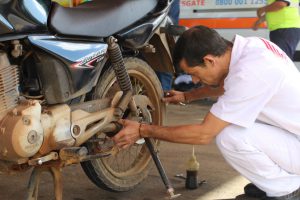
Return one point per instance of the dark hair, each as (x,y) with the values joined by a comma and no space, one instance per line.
(197,42)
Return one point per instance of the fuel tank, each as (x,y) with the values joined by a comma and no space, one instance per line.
(23,16)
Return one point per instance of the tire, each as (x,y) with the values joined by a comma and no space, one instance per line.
(103,172)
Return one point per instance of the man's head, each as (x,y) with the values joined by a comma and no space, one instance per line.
(204,54)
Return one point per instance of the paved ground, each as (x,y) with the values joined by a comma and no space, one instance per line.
(223,183)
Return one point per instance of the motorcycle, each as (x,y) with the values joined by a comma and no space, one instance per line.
(67,75)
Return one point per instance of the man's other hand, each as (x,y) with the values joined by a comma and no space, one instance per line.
(174,97)
(128,135)
(260,12)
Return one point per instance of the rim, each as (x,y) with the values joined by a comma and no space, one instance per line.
(134,159)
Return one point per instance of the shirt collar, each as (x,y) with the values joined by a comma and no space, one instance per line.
(239,43)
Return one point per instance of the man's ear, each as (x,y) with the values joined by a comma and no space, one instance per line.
(209,59)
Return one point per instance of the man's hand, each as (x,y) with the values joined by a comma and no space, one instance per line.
(128,135)
(174,97)
(258,22)
(260,12)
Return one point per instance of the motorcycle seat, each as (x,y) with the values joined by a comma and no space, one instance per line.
(98,18)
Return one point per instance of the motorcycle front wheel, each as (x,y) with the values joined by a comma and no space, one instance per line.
(129,167)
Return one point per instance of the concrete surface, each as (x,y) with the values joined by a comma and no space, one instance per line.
(223,183)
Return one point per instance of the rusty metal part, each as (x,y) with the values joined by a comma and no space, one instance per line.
(73,155)
(11,168)
(34,181)
(21,132)
(124,101)
(112,127)
(67,156)
(17,50)
(93,106)
(92,123)
(139,102)
(43,159)
(116,99)
(26,131)
(143,102)
(56,122)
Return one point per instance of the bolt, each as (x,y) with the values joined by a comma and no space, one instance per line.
(76,130)
(4,152)
(32,137)
(2,130)
(26,120)
(118,113)
(32,103)
(15,112)
(67,94)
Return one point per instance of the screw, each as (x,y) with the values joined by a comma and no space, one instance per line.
(32,137)
(76,130)
(118,113)
(26,120)
(15,112)
(4,152)
(67,94)
(3,130)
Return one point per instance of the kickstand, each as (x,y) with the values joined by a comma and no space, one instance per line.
(33,185)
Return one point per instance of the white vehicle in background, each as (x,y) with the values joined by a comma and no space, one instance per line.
(228,17)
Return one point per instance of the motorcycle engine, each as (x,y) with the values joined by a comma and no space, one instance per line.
(21,132)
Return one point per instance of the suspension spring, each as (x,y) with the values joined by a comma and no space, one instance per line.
(117,61)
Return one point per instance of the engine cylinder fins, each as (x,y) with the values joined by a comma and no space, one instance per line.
(9,84)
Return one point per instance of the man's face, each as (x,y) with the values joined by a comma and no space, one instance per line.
(211,73)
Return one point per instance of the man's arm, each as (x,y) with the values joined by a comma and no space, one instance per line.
(199,93)
(275,6)
(258,22)
(203,92)
(202,133)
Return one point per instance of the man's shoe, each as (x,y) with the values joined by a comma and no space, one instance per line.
(252,191)
(293,196)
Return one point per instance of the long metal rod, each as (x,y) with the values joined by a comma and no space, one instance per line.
(158,164)
(161,170)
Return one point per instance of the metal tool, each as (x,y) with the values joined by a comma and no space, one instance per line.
(161,170)
(168,94)
(115,127)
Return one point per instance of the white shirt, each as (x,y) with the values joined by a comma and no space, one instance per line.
(262,84)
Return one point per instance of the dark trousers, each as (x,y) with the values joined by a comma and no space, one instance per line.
(287,39)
